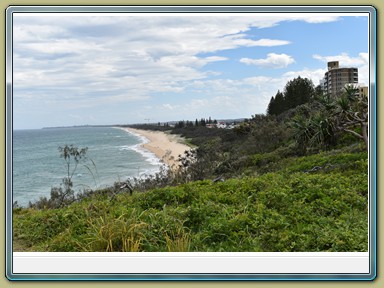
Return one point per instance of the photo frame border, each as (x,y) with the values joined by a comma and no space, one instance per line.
(199,9)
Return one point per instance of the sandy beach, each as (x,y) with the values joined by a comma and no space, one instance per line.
(166,147)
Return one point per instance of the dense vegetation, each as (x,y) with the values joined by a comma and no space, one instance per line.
(296,92)
(292,209)
(291,181)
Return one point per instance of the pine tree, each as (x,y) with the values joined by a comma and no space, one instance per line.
(279,103)
(298,91)
(271,106)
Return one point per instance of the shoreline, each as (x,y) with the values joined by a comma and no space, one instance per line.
(166,147)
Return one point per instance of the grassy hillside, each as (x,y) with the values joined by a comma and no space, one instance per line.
(309,203)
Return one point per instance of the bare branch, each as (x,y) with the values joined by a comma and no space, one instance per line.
(354,133)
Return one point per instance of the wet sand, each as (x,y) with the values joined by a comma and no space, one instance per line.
(166,147)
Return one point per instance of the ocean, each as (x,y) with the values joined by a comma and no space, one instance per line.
(37,167)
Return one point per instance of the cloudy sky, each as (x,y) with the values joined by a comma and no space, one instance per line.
(123,68)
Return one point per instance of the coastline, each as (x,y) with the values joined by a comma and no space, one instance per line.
(166,147)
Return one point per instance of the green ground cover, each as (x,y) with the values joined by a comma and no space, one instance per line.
(289,209)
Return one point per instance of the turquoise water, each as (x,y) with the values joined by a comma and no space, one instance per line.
(37,165)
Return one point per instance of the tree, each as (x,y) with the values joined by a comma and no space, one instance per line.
(180,124)
(351,112)
(298,91)
(302,132)
(277,104)
(332,116)
(72,157)
(271,107)
(323,130)
(65,195)
(319,90)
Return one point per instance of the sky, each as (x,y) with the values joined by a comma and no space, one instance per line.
(106,69)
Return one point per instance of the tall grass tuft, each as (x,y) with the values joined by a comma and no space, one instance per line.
(122,234)
(179,240)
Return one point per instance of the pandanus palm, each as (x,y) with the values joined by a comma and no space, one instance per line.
(343,114)
(352,111)
(323,130)
(302,131)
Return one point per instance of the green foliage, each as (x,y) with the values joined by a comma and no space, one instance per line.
(276,106)
(108,233)
(295,208)
(325,162)
(296,92)
(325,125)
(318,130)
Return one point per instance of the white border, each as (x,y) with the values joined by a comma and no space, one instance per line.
(192,262)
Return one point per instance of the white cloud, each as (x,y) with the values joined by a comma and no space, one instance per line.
(345,60)
(256,92)
(315,75)
(64,46)
(168,106)
(99,54)
(25,32)
(268,42)
(215,58)
(271,20)
(272,61)
(316,18)
(110,64)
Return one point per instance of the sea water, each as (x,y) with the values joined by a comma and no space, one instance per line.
(113,155)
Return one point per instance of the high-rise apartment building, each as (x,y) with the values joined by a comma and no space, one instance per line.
(336,78)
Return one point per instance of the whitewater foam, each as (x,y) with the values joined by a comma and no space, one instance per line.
(148,155)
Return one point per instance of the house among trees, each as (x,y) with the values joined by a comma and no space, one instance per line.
(363,90)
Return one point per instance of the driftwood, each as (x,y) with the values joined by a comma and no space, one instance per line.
(128,186)
(218,179)
(122,187)
(325,167)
